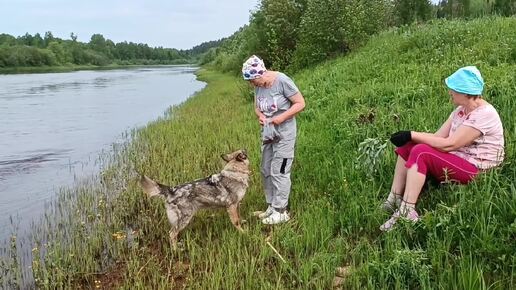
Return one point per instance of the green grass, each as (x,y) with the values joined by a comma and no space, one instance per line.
(106,234)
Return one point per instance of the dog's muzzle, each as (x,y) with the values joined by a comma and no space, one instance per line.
(242,155)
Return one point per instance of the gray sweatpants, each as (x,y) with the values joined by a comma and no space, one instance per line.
(277,161)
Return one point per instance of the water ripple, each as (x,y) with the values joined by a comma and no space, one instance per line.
(28,163)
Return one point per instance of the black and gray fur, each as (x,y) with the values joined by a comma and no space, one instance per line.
(224,189)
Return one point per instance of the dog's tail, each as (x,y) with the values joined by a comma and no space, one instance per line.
(150,187)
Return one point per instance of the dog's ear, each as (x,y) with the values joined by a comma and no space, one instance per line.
(150,187)
(226,157)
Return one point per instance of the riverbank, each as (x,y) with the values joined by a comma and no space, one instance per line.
(58,69)
(464,240)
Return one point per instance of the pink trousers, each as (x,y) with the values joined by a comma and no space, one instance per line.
(441,165)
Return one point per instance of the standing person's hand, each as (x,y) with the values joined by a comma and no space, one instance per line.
(262,119)
(401,138)
(277,120)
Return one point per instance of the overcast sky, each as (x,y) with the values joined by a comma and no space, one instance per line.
(168,23)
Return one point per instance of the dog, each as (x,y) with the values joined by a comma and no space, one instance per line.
(222,190)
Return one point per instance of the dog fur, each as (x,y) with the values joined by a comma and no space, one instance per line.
(224,189)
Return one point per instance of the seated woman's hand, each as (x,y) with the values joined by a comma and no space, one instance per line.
(401,138)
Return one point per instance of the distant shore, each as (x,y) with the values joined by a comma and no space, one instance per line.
(58,69)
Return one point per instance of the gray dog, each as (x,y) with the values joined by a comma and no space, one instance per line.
(224,189)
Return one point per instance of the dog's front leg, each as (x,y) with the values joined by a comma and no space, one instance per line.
(173,238)
(234,216)
(173,217)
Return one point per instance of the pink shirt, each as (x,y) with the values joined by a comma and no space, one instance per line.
(487,150)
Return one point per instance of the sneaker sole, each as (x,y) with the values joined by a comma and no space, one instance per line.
(275,223)
(263,215)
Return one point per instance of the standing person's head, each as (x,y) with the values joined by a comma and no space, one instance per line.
(253,70)
(465,84)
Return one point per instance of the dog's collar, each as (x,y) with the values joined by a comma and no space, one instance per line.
(240,172)
(236,175)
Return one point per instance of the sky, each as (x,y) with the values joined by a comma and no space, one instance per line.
(172,24)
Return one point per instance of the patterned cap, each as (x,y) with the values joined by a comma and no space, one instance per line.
(466,80)
(253,68)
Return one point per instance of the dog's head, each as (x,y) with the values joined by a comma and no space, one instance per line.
(150,187)
(236,161)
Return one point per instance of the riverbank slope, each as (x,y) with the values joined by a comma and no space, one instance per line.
(116,237)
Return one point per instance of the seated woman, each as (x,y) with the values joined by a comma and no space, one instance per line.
(471,140)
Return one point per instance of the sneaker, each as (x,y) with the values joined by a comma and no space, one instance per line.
(266,213)
(412,216)
(387,226)
(391,207)
(276,218)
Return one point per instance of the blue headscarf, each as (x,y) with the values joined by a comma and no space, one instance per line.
(466,80)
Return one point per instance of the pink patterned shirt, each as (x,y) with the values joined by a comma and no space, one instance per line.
(486,151)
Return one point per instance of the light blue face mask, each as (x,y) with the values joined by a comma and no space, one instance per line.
(466,80)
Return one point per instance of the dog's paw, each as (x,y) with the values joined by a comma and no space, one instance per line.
(178,246)
(240,229)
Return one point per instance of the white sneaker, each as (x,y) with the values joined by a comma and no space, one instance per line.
(266,213)
(276,218)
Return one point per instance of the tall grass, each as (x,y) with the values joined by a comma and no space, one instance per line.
(466,237)
(106,234)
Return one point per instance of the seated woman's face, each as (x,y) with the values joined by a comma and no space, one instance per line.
(456,97)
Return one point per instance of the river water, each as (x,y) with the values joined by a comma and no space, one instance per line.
(54,126)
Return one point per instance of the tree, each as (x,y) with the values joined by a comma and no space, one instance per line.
(99,44)
(505,7)
(466,8)
(281,19)
(408,11)
(73,37)
(28,50)
(59,52)
(25,39)
(38,41)
(320,32)
(48,38)
(6,39)
(332,27)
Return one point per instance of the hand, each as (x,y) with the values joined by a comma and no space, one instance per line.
(262,119)
(277,120)
(401,138)
(214,179)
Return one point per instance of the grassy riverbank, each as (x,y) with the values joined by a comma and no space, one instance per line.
(108,235)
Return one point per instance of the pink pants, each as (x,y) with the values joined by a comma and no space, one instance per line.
(441,165)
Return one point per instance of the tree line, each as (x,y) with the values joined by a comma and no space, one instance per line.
(288,34)
(292,34)
(34,50)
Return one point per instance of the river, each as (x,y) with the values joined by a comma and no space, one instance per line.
(54,126)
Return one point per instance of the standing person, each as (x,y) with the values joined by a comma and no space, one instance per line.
(471,140)
(277,101)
